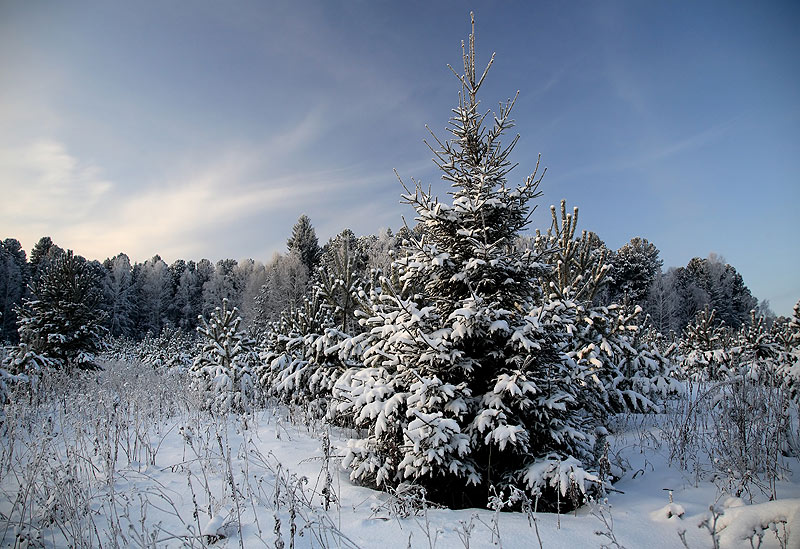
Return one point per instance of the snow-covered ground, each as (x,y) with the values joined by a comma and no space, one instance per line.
(129,461)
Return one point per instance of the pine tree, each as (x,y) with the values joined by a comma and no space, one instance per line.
(600,345)
(633,270)
(706,346)
(786,334)
(224,369)
(715,283)
(300,358)
(578,266)
(42,253)
(186,308)
(62,319)
(461,384)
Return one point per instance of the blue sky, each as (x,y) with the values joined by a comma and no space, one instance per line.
(204,129)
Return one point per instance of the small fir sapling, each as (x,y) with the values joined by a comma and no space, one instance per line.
(224,369)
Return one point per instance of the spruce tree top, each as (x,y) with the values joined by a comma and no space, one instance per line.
(467,247)
(304,242)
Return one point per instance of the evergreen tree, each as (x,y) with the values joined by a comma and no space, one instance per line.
(633,270)
(579,267)
(62,318)
(461,385)
(224,369)
(304,243)
(706,346)
(299,357)
(13,279)
(42,253)
(186,309)
(715,283)
(176,269)
(342,272)
(600,345)
(785,332)
(204,271)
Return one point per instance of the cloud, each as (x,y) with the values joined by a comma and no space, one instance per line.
(203,211)
(235,201)
(654,154)
(43,185)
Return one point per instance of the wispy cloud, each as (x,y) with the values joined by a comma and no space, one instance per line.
(51,192)
(657,153)
(41,183)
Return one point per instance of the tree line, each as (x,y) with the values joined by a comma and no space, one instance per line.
(137,299)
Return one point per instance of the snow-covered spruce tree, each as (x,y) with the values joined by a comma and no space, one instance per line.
(340,277)
(224,369)
(62,319)
(460,387)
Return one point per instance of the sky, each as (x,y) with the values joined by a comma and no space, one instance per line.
(205,129)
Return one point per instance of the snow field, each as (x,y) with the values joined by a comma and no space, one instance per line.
(125,458)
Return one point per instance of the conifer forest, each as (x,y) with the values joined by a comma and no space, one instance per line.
(463,380)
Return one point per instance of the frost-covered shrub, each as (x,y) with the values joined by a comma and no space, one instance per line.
(737,421)
(21,367)
(172,348)
(224,369)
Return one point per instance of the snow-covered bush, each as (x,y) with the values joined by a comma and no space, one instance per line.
(737,423)
(299,357)
(172,348)
(224,369)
